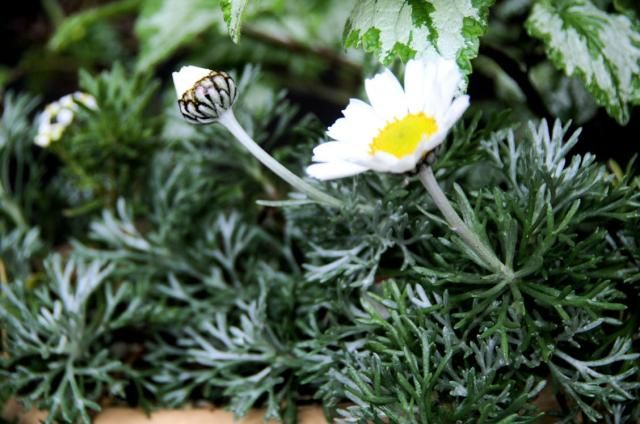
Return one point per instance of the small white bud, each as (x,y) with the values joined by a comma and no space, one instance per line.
(65,116)
(42,140)
(52,109)
(57,116)
(67,102)
(55,133)
(203,94)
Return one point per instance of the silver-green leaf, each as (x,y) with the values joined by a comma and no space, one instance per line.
(233,11)
(602,49)
(417,28)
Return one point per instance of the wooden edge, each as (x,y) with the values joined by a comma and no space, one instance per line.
(211,415)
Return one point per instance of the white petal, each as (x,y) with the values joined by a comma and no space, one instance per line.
(337,150)
(430,143)
(65,116)
(333,170)
(343,130)
(406,164)
(431,94)
(86,99)
(44,123)
(386,162)
(414,85)
(90,102)
(52,109)
(42,140)
(364,117)
(186,78)
(357,109)
(56,131)
(454,112)
(386,96)
(359,125)
(448,79)
(67,101)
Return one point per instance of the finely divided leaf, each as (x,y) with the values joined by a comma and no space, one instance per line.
(233,11)
(415,28)
(602,49)
(164,25)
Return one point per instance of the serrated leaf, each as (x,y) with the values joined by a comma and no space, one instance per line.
(233,11)
(602,49)
(413,28)
(164,25)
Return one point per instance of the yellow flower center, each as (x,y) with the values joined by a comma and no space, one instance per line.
(403,136)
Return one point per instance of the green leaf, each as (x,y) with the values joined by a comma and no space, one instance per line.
(413,28)
(74,28)
(165,25)
(602,49)
(233,11)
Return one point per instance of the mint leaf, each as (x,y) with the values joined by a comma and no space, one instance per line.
(164,25)
(415,28)
(233,11)
(600,48)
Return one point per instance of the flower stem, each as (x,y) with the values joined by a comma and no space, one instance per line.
(229,121)
(458,226)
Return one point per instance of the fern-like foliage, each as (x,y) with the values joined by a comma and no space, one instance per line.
(197,276)
(61,353)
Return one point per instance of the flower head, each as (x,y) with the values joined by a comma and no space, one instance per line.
(57,116)
(399,127)
(203,94)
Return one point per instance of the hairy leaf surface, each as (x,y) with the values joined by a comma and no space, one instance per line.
(233,11)
(602,49)
(409,28)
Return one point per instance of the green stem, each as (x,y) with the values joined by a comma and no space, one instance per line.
(458,226)
(229,121)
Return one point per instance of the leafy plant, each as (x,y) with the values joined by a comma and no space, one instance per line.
(60,356)
(148,262)
(602,49)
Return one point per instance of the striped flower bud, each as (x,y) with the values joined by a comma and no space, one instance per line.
(203,95)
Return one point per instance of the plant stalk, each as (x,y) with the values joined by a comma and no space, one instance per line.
(229,121)
(472,240)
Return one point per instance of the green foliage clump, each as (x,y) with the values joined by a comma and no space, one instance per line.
(106,150)
(152,263)
(64,356)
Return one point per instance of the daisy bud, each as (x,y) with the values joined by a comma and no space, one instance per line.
(203,95)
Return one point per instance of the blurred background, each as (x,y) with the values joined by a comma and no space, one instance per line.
(299,48)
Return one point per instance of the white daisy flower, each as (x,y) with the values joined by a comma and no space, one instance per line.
(57,116)
(399,127)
